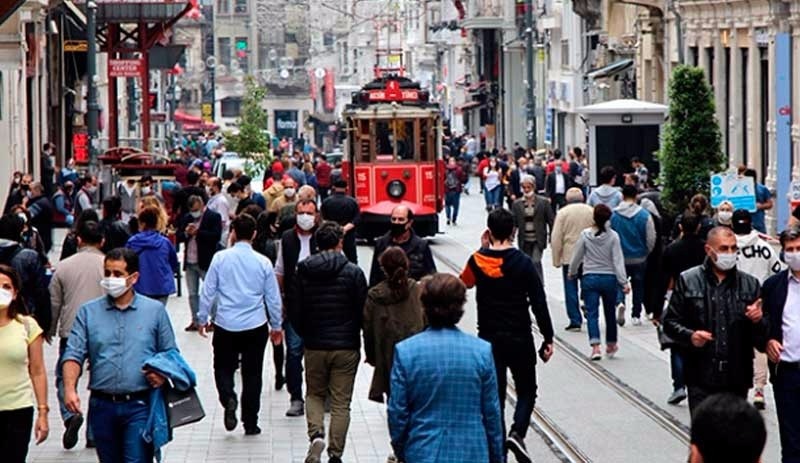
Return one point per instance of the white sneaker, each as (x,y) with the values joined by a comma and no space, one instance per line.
(636,321)
(621,314)
(315,450)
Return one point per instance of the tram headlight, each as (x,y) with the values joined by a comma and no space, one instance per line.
(396,189)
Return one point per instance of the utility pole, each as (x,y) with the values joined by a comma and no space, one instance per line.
(92,106)
(531,103)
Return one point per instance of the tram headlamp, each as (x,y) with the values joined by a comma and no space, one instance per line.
(396,189)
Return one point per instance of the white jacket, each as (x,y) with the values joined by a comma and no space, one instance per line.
(757,257)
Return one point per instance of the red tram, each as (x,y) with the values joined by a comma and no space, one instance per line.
(393,154)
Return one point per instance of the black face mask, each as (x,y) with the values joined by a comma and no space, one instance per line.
(397,229)
(25,187)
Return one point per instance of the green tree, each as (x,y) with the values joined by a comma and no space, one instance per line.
(251,142)
(691,148)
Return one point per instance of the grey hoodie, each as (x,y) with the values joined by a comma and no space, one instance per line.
(599,254)
(605,194)
(629,210)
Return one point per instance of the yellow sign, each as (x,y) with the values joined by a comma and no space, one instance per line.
(76,46)
(206,109)
(541,55)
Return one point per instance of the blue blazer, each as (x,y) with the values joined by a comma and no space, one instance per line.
(443,406)
(773,296)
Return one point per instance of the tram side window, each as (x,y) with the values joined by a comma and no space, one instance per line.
(405,140)
(425,148)
(363,138)
(384,146)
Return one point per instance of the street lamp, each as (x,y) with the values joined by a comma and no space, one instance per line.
(93,108)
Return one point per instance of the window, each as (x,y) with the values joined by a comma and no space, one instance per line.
(223,6)
(240,6)
(395,140)
(328,38)
(231,107)
(224,51)
(565,53)
(290,37)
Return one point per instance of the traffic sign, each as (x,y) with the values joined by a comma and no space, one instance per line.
(728,186)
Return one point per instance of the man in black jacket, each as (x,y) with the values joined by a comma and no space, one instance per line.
(402,234)
(201,230)
(344,210)
(715,315)
(40,209)
(781,295)
(116,231)
(297,245)
(329,296)
(507,286)
(181,203)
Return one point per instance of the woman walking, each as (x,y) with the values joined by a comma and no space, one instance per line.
(22,373)
(393,312)
(492,184)
(599,253)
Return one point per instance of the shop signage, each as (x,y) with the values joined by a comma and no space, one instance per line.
(286,124)
(76,46)
(728,186)
(125,67)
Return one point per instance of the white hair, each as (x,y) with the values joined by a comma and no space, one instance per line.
(528,179)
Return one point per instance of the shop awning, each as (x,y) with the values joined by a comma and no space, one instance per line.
(610,70)
(182,117)
(7,8)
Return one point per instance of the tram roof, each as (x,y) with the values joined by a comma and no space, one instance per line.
(387,110)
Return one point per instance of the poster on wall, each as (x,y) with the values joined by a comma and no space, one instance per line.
(286,124)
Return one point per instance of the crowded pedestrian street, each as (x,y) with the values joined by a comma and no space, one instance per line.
(612,411)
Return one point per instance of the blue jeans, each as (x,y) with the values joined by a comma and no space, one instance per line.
(65,414)
(294,362)
(194,274)
(786,386)
(596,286)
(452,199)
(635,274)
(571,297)
(118,430)
(492,197)
(676,369)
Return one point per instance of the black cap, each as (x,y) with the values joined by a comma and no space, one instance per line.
(742,222)
(340,184)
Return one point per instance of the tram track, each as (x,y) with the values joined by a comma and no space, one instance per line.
(556,438)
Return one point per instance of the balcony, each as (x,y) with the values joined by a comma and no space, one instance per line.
(484,14)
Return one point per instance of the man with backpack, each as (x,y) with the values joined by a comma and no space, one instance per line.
(454,180)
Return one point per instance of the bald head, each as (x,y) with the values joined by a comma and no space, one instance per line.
(306,192)
(402,212)
(574,195)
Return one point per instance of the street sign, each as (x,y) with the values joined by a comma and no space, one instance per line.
(158,117)
(125,67)
(728,186)
(76,46)
(207,112)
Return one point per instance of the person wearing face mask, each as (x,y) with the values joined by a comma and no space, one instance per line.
(724,214)
(128,197)
(343,209)
(401,233)
(85,196)
(146,189)
(715,316)
(118,333)
(297,244)
(22,372)
(17,195)
(288,196)
(157,257)
(200,230)
(218,203)
(533,218)
(781,295)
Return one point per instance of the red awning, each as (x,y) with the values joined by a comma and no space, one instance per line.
(184,118)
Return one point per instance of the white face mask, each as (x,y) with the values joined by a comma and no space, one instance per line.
(114,286)
(196,214)
(146,190)
(725,262)
(725,216)
(289,192)
(529,194)
(6,296)
(305,221)
(792,259)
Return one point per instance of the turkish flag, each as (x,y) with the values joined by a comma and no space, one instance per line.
(330,91)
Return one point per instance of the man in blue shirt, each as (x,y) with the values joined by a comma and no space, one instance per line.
(763,202)
(241,280)
(117,334)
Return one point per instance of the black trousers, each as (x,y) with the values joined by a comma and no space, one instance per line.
(519,357)
(15,434)
(228,347)
(786,386)
(697,394)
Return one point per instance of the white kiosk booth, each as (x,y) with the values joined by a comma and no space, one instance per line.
(620,130)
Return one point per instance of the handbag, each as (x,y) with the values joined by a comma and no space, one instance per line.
(183,407)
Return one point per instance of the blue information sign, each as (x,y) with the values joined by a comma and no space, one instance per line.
(728,186)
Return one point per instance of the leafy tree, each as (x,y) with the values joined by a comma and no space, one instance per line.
(251,141)
(691,148)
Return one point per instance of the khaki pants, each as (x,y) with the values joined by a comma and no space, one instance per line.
(330,374)
(760,370)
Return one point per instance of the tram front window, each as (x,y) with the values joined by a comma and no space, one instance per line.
(395,140)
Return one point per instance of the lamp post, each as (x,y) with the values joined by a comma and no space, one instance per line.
(531,95)
(93,108)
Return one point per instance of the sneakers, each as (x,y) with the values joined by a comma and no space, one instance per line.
(677,396)
(71,428)
(595,355)
(636,321)
(392,459)
(315,450)
(516,445)
(295,408)
(758,400)
(621,314)
(611,350)
(572,327)
(230,415)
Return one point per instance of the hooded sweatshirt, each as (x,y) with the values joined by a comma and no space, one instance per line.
(498,276)
(605,194)
(757,257)
(34,280)
(158,263)
(599,254)
(636,229)
(329,295)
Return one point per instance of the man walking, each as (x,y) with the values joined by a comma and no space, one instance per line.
(507,286)
(343,210)
(326,311)
(401,234)
(201,231)
(240,281)
(117,334)
(75,282)
(570,221)
(606,193)
(453,185)
(41,211)
(533,216)
(637,235)
(296,245)
(715,315)
(218,203)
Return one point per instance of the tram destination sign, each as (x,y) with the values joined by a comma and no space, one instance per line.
(384,95)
